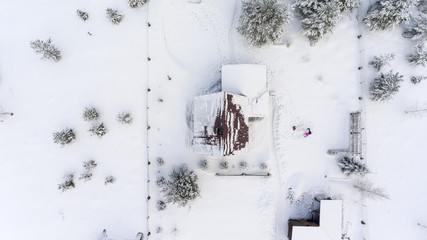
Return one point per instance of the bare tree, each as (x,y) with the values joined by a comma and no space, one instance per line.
(365,187)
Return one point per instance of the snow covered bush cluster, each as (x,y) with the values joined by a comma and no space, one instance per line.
(124,118)
(160,161)
(47,49)
(88,167)
(263,166)
(204,164)
(385,86)
(418,56)
(418,30)
(114,15)
(223,165)
(98,129)
(64,137)
(181,187)
(378,62)
(161,182)
(68,183)
(83,15)
(90,114)
(386,14)
(137,3)
(319,17)
(350,166)
(243,165)
(161,205)
(418,79)
(293,199)
(262,21)
(109,179)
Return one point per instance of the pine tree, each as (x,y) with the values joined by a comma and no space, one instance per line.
(378,62)
(418,31)
(98,129)
(181,187)
(137,3)
(64,137)
(319,17)
(114,15)
(262,21)
(385,86)
(351,166)
(418,56)
(47,49)
(83,15)
(386,14)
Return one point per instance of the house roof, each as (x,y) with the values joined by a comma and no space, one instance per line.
(246,79)
(329,225)
(220,123)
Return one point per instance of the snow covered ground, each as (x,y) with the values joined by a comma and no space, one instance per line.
(186,44)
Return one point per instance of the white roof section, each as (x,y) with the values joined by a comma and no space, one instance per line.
(246,79)
(329,225)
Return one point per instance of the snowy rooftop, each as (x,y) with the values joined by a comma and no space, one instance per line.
(329,225)
(246,79)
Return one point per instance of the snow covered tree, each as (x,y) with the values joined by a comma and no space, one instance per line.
(263,166)
(68,183)
(422,6)
(386,14)
(181,187)
(204,164)
(293,199)
(137,3)
(418,79)
(351,166)
(243,165)
(161,205)
(109,179)
(385,86)
(98,129)
(114,15)
(124,118)
(262,21)
(88,166)
(378,62)
(418,56)
(319,17)
(64,137)
(418,31)
(223,165)
(83,15)
(161,182)
(47,49)
(369,190)
(90,114)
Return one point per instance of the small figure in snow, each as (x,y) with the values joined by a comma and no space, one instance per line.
(294,128)
(307,133)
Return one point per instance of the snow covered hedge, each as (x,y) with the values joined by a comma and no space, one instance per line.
(319,17)
(386,14)
(385,86)
(262,21)
(181,187)
(47,49)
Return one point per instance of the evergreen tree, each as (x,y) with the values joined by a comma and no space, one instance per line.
(64,137)
(114,15)
(47,49)
(385,86)
(378,62)
(418,56)
(83,15)
(98,129)
(90,114)
(181,187)
(137,3)
(262,21)
(386,14)
(319,17)
(418,31)
(350,166)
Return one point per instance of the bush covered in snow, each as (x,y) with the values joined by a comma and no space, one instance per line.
(350,166)
(161,182)
(90,114)
(161,205)
(243,165)
(378,62)
(114,15)
(418,30)
(386,14)
(181,187)
(98,129)
(137,3)
(293,199)
(83,15)
(223,165)
(88,167)
(385,86)
(263,166)
(204,164)
(124,118)
(261,21)
(418,56)
(64,137)
(319,17)
(47,49)
(422,6)
(418,79)
(109,179)
(160,161)
(67,184)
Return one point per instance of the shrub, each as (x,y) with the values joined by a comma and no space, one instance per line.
(64,137)
(161,182)
(385,86)
(204,164)
(124,118)
(161,205)
(181,187)
(378,62)
(418,31)
(417,79)
(98,129)
(243,165)
(223,165)
(137,3)
(109,179)
(114,15)
(386,14)
(350,166)
(263,166)
(88,166)
(418,56)
(83,15)
(90,114)
(47,49)
(160,161)
(262,21)
(68,183)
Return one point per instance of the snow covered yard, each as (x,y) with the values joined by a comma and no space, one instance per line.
(103,65)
